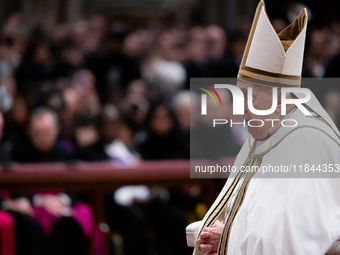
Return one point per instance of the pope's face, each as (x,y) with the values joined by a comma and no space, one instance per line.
(262,100)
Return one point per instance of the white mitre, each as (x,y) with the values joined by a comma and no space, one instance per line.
(274,59)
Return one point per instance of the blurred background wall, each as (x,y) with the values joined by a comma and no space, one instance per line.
(224,13)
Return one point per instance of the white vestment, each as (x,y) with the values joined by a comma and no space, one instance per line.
(287,214)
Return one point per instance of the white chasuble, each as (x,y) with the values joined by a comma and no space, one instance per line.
(295,213)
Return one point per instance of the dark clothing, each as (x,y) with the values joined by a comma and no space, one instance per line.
(162,218)
(184,139)
(29,236)
(158,147)
(67,237)
(26,153)
(224,67)
(332,70)
(113,73)
(93,152)
(32,73)
(166,219)
(5,152)
(195,70)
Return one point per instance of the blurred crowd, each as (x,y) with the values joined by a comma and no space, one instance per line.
(99,91)
(96,90)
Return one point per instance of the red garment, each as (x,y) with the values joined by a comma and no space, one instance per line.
(83,215)
(6,234)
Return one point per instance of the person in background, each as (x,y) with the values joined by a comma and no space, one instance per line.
(39,64)
(162,141)
(112,146)
(16,116)
(136,102)
(181,106)
(53,209)
(196,62)
(17,222)
(85,132)
(317,57)
(107,125)
(5,155)
(112,68)
(115,141)
(221,63)
(161,69)
(71,60)
(81,102)
(43,131)
(6,220)
(131,210)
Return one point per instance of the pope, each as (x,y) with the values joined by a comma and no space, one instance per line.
(279,214)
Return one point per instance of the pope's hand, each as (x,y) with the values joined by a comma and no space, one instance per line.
(209,238)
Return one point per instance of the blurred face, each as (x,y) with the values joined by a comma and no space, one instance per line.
(109,129)
(72,104)
(19,111)
(137,87)
(72,56)
(196,49)
(262,100)
(161,122)
(43,132)
(318,43)
(43,54)
(86,135)
(216,41)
